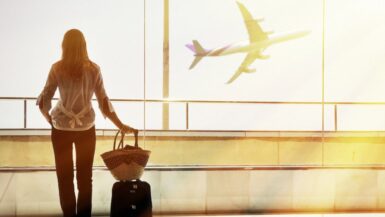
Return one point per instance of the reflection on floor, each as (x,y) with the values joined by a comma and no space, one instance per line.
(213,191)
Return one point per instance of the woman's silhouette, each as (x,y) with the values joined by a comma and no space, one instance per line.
(72,120)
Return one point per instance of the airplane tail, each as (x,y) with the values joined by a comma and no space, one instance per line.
(199,51)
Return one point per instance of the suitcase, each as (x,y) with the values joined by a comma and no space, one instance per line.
(131,199)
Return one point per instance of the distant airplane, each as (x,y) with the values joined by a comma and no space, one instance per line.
(258,42)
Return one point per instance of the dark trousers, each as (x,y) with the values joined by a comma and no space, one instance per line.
(85,149)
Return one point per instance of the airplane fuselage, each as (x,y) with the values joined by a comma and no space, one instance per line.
(258,41)
(246,47)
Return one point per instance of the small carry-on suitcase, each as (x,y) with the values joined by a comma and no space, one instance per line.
(131,199)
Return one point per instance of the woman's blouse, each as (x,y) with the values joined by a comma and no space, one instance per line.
(74,110)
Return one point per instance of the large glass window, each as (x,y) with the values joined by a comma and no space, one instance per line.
(292,73)
(128,40)
(32,32)
(354,62)
(355,50)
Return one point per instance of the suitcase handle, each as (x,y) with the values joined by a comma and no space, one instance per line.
(120,145)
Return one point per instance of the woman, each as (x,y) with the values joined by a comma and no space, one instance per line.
(72,120)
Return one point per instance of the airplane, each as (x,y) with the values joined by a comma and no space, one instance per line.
(258,42)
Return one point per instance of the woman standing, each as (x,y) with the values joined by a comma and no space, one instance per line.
(72,120)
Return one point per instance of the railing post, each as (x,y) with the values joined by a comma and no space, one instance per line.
(187,116)
(335,118)
(25,113)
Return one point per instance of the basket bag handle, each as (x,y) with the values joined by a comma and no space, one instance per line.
(120,145)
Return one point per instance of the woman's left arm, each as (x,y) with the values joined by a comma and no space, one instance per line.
(45,97)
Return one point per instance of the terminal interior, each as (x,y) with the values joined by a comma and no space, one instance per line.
(303,135)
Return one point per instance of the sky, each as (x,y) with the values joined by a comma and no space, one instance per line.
(126,38)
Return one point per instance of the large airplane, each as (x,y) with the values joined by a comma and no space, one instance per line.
(258,42)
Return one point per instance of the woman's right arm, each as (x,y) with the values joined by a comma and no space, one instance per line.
(114,117)
(45,97)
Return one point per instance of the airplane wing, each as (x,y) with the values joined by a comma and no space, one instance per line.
(235,76)
(250,58)
(255,31)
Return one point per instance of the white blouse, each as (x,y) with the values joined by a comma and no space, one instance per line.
(74,110)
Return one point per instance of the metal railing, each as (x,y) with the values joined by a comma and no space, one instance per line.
(187,104)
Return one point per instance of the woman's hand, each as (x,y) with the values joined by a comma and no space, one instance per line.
(127,129)
(122,127)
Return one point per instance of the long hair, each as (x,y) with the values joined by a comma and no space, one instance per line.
(74,53)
